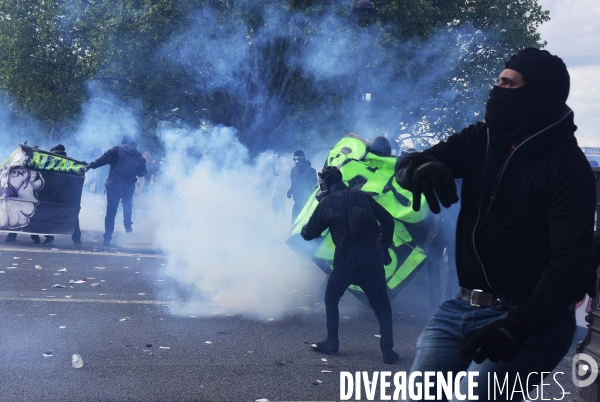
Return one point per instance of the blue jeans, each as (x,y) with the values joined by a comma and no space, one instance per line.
(438,349)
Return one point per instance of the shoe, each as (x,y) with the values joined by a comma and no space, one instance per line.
(389,356)
(77,243)
(326,346)
(48,241)
(106,243)
(35,241)
(128,230)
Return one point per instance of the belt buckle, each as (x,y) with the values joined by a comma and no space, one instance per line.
(471,298)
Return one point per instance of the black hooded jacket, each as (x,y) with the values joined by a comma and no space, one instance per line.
(351,254)
(303,181)
(125,164)
(525,226)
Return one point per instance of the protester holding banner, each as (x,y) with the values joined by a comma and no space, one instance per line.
(126,163)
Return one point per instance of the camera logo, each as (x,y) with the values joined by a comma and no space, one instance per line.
(584,370)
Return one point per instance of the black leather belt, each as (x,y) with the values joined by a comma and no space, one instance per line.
(479,298)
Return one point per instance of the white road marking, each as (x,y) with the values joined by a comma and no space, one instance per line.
(112,301)
(85,253)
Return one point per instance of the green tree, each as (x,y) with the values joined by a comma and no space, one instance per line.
(284,74)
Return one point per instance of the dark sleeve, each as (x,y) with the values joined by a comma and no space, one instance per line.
(143,170)
(569,276)
(292,182)
(596,251)
(386,221)
(456,153)
(316,224)
(109,157)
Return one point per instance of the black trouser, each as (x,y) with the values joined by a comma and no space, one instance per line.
(298,205)
(373,284)
(113,196)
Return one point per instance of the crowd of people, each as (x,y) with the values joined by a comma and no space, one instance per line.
(523,238)
(524,235)
(126,165)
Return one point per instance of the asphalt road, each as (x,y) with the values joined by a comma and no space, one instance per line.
(135,349)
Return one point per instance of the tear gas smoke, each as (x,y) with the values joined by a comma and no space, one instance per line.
(220,233)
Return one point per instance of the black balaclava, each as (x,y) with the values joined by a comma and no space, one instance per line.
(299,156)
(59,149)
(329,176)
(127,140)
(538,103)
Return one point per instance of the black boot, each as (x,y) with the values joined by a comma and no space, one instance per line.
(389,356)
(326,346)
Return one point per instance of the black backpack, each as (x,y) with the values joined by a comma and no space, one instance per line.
(361,221)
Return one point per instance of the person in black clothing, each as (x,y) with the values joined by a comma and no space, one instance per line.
(303,182)
(125,164)
(356,261)
(524,231)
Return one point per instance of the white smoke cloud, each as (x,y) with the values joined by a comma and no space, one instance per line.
(220,233)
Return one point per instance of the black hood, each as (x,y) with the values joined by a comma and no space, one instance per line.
(303,164)
(130,149)
(560,130)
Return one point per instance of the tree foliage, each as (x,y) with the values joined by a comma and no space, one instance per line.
(283,73)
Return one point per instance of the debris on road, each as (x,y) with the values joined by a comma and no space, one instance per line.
(96,285)
(208,342)
(48,354)
(38,267)
(62,270)
(76,361)
(58,285)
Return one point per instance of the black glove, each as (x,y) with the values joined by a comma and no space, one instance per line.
(430,177)
(320,195)
(500,340)
(289,194)
(88,167)
(387,258)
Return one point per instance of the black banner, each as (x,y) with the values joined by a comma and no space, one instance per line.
(40,192)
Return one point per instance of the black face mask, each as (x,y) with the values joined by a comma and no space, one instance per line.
(507,109)
(510,108)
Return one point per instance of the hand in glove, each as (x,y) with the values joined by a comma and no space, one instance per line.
(500,340)
(387,258)
(320,195)
(88,167)
(430,177)
(289,194)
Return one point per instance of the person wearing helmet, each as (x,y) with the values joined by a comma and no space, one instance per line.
(380,146)
(524,232)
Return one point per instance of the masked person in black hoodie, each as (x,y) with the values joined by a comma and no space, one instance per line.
(524,231)
(359,257)
(125,164)
(303,182)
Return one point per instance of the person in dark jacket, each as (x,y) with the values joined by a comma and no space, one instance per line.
(356,261)
(524,231)
(126,165)
(303,182)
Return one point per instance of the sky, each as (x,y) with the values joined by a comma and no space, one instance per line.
(573,33)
